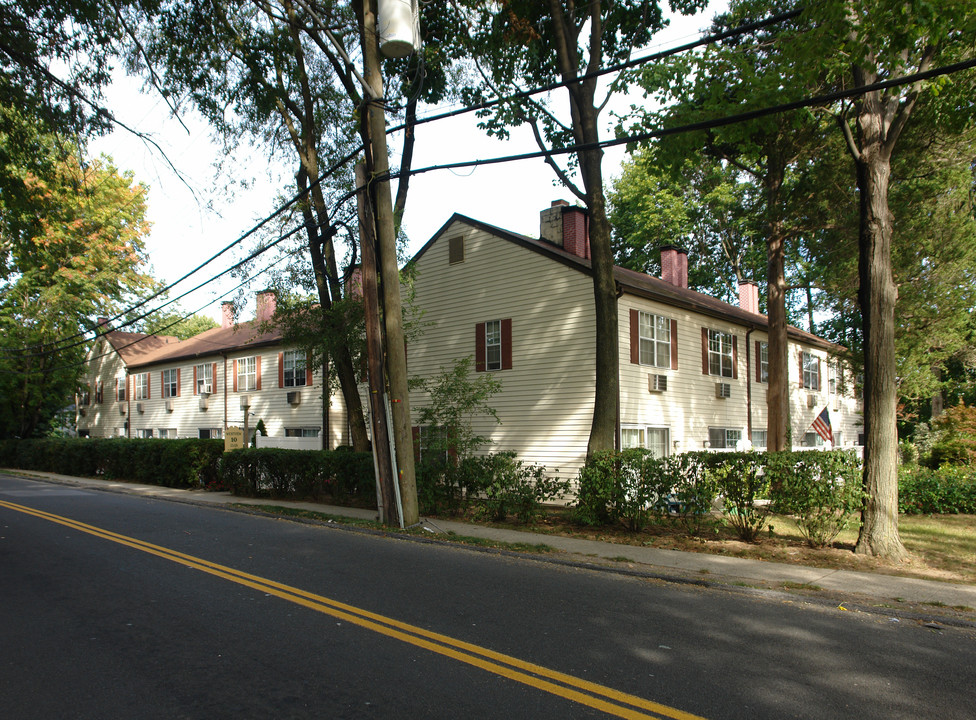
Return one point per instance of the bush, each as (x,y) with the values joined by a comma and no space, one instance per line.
(822,490)
(173,463)
(279,473)
(512,488)
(742,480)
(690,488)
(950,489)
(598,489)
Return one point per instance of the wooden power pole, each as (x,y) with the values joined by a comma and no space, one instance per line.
(396,350)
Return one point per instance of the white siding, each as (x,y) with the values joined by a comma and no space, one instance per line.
(546,402)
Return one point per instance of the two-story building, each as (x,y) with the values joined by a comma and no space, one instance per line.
(150,386)
(693,369)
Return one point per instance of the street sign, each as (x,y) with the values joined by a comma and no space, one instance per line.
(233,439)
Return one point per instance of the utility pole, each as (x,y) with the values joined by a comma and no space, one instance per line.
(378,165)
(374,354)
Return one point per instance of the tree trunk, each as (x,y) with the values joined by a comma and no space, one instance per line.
(778,390)
(877,295)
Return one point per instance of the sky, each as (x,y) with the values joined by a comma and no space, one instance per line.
(193,214)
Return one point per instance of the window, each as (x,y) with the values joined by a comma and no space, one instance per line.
(120,387)
(303,432)
(210,433)
(718,353)
(812,439)
(203,378)
(246,374)
(810,367)
(171,383)
(759,438)
(144,433)
(293,368)
(430,445)
(140,386)
(655,439)
(99,391)
(167,433)
(723,438)
(835,378)
(493,345)
(84,395)
(655,340)
(762,363)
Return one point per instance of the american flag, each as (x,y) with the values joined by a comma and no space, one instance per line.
(822,426)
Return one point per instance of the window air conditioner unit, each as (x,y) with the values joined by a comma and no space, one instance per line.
(723,390)
(245,402)
(169,404)
(811,401)
(140,408)
(121,408)
(657,383)
(204,402)
(294,398)
(81,411)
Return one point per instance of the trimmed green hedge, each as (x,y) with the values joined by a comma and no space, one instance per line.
(949,490)
(273,472)
(171,463)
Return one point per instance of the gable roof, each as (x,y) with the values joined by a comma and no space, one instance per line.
(636,283)
(240,336)
(134,346)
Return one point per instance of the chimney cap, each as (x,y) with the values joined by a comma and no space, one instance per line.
(676,248)
(557,203)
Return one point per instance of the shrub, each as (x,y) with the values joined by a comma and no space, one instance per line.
(516,489)
(822,490)
(955,437)
(950,489)
(742,480)
(690,488)
(280,473)
(598,489)
(643,492)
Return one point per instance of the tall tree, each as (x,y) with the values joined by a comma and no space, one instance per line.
(522,43)
(73,249)
(739,74)
(864,42)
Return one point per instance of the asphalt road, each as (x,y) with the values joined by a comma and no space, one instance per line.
(114,606)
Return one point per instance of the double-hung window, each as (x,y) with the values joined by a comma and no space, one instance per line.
(204,378)
(810,366)
(721,355)
(120,387)
(171,383)
(655,340)
(655,439)
(762,362)
(140,386)
(247,374)
(293,364)
(493,345)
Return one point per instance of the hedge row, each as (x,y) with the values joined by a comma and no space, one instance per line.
(821,490)
(172,463)
(264,472)
(950,489)
(271,472)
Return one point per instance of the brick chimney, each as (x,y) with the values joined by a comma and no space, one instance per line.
(566,226)
(227,316)
(266,302)
(674,265)
(749,296)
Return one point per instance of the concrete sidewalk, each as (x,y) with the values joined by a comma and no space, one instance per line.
(861,586)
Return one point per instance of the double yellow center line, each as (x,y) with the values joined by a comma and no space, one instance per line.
(592,695)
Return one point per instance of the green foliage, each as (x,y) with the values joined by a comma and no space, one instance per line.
(742,481)
(177,324)
(823,490)
(187,463)
(950,489)
(633,486)
(278,473)
(511,488)
(449,487)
